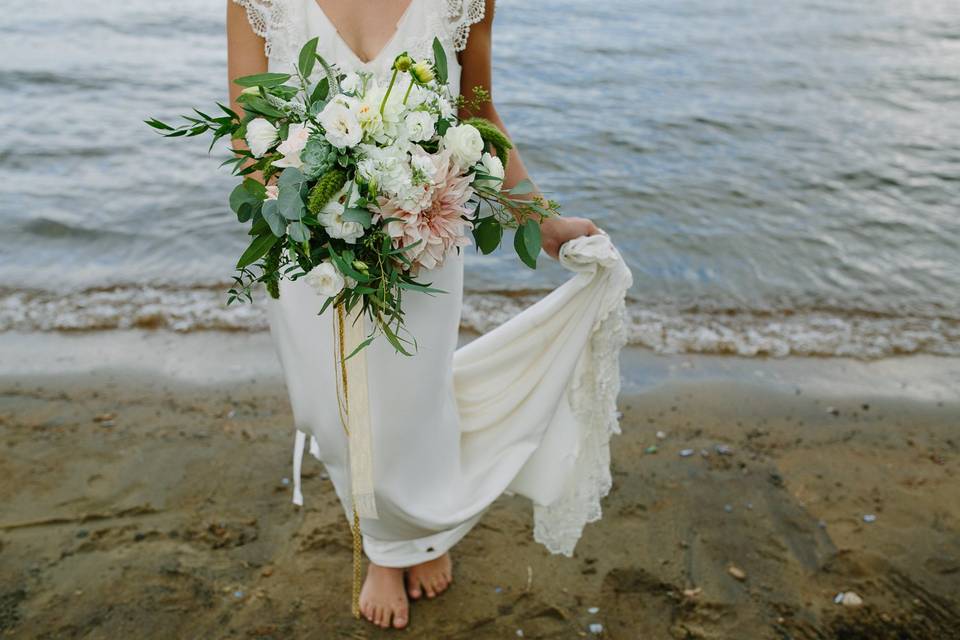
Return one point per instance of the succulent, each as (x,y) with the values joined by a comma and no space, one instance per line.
(319,156)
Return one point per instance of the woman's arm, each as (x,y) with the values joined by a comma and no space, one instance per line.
(245,57)
(477,72)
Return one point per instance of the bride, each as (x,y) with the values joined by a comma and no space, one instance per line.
(451,430)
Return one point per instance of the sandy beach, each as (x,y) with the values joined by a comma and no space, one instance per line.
(146,495)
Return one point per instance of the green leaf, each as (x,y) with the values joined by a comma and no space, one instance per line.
(257,249)
(271,213)
(522,188)
(308,58)
(526,242)
(156,124)
(356,214)
(440,61)
(298,231)
(488,233)
(359,346)
(259,106)
(255,188)
(263,80)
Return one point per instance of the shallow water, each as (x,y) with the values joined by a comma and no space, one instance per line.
(782,177)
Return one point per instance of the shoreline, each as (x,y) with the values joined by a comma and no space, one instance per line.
(148,495)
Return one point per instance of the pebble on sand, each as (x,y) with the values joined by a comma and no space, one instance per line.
(104,417)
(661,435)
(686,453)
(737,572)
(848,599)
(593,610)
(595,627)
(869,518)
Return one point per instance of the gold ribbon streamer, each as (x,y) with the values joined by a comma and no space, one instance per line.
(354,412)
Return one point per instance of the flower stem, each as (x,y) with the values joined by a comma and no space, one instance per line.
(407,94)
(386,95)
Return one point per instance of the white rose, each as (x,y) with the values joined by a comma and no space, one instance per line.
(464,143)
(419,125)
(260,136)
(291,148)
(492,165)
(325,279)
(331,217)
(340,125)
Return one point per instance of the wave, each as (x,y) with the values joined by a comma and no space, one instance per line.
(663,328)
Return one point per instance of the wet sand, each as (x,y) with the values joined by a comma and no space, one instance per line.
(146,495)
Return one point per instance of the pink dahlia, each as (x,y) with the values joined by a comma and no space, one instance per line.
(440,224)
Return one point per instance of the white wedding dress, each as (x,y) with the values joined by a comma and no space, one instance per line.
(528,408)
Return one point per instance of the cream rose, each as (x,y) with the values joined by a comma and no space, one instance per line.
(492,165)
(464,143)
(297,136)
(325,279)
(340,125)
(261,135)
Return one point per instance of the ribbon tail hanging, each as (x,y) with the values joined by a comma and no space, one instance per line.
(358,416)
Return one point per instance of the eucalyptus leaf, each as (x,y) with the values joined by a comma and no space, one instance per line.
(440,61)
(276,221)
(263,80)
(522,188)
(298,231)
(308,58)
(488,233)
(257,249)
(356,214)
(527,242)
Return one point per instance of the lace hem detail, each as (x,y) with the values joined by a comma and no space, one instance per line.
(462,14)
(269,20)
(593,400)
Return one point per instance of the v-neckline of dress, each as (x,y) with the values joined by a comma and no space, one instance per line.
(396,30)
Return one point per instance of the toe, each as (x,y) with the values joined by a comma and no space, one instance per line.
(413,586)
(400,618)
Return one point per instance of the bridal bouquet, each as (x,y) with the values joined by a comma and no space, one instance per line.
(363,184)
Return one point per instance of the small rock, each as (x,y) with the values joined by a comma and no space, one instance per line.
(750,506)
(231,413)
(661,435)
(837,599)
(723,450)
(324,476)
(686,453)
(704,453)
(238,594)
(869,518)
(822,524)
(595,627)
(593,610)
(285,481)
(728,508)
(267,572)
(737,572)
(498,589)
(833,411)
(519,633)
(692,593)
(104,417)
(851,599)
(651,449)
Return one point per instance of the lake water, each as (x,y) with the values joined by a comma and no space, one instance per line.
(783,177)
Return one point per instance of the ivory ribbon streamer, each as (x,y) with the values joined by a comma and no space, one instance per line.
(358,415)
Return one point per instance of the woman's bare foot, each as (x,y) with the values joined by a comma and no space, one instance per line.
(383,600)
(432,577)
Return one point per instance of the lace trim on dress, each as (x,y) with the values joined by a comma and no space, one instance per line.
(593,400)
(269,20)
(461,15)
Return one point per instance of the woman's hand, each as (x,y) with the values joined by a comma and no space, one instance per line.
(555,231)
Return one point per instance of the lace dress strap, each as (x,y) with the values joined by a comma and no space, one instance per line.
(461,15)
(275,21)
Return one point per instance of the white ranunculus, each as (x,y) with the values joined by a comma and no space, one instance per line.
(492,165)
(261,135)
(340,125)
(331,216)
(464,143)
(420,125)
(325,279)
(297,136)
